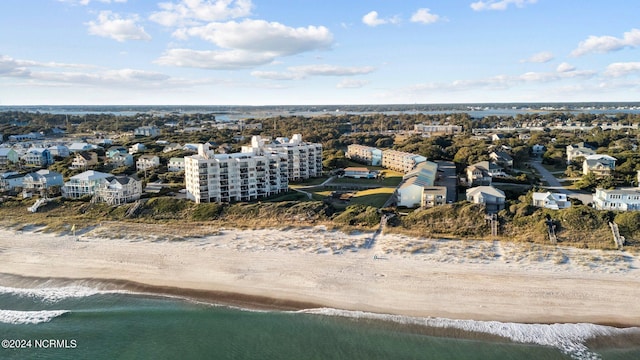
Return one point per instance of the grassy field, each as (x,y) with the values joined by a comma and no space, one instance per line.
(389,178)
(372,197)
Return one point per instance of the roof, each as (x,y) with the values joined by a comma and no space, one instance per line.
(490,190)
(549,195)
(600,157)
(5,151)
(176,159)
(90,175)
(503,155)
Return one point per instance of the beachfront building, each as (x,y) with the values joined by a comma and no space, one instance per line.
(401,161)
(8,156)
(599,164)
(42,179)
(243,176)
(304,159)
(175,164)
(83,184)
(492,198)
(146,162)
(551,200)
(146,131)
(417,188)
(432,129)
(359,173)
(116,190)
(617,199)
(83,160)
(579,150)
(364,154)
(81,146)
(11,180)
(136,148)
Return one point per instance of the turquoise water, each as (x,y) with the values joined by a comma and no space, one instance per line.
(128,326)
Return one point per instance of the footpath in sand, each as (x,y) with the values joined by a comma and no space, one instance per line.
(390,274)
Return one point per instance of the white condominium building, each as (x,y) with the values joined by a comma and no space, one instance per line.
(364,154)
(400,161)
(241,176)
(304,160)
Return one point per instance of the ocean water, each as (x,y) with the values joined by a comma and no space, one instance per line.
(78,322)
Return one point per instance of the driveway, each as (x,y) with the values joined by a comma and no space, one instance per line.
(555,185)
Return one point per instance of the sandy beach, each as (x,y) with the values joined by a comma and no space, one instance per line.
(316,267)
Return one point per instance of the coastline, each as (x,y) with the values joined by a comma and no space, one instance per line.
(299,269)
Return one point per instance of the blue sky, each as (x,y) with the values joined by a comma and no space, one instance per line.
(261,52)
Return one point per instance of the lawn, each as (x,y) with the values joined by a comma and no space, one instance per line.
(372,197)
(309,182)
(390,178)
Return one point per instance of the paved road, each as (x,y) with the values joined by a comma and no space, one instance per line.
(555,185)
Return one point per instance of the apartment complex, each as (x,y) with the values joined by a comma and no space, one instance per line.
(437,129)
(259,170)
(364,154)
(400,160)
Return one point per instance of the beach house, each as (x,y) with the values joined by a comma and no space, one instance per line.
(83,184)
(146,162)
(482,173)
(10,181)
(492,198)
(118,190)
(84,159)
(175,164)
(579,150)
(599,164)
(617,199)
(8,156)
(551,200)
(146,131)
(42,179)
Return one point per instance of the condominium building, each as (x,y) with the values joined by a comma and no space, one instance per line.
(364,154)
(304,159)
(437,129)
(259,170)
(400,161)
(243,176)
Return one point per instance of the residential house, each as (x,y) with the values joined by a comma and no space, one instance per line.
(42,179)
(146,162)
(524,136)
(8,156)
(11,180)
(599,164)
(59,151)
(83,160)
(83,184)
(120,159)
(38,157)
(579,150)
(538,150)
(551,200)
(116,150)
(617,199)
(81,146)
(492,198)
(26,137)
(146,131)
(172,147)
(501,158)
(359,172)
(118,190)
(175,164)
(482,173)
(136,148)
(497,137)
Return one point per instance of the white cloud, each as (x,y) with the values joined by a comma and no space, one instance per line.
(304,71)
(193,11)
(216,60)
(499,4)
(113,26)
(424,16)
(541,57)
(605,44)
(565,67)
(622,69)
(351,84)
(263,36)
(372,19)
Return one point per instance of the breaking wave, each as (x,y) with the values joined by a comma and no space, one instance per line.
(568,338)
(29,317)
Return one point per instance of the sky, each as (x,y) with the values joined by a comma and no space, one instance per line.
(304,52)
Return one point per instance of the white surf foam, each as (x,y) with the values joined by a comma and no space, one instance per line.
(568,338)
(29,317)
(53,294)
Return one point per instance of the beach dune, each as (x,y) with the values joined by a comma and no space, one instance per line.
(316,267)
